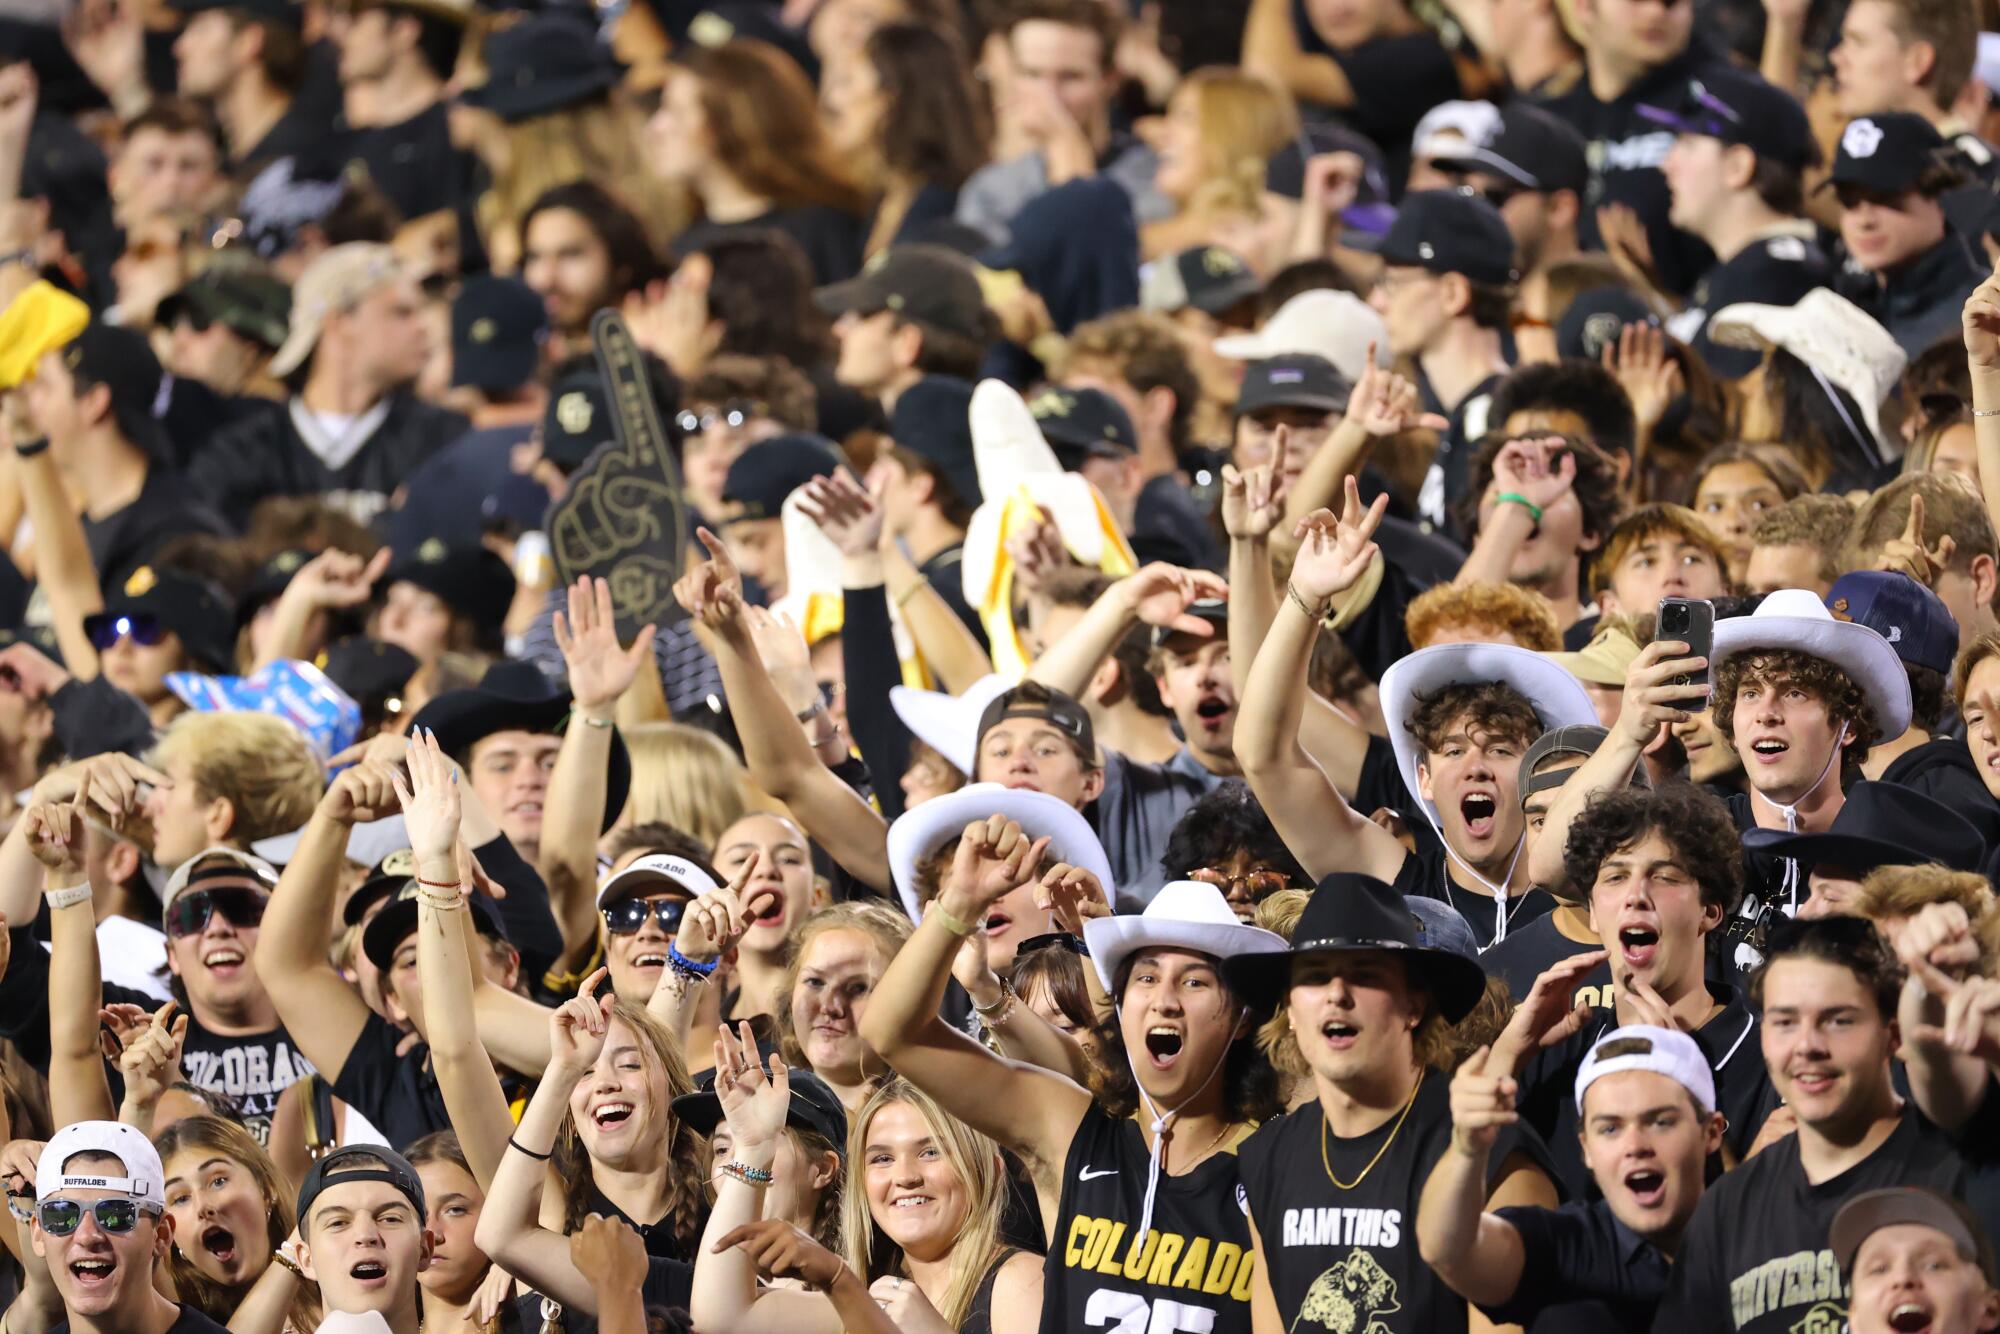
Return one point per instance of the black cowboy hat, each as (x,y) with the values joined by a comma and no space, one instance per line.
(515,696)
(1881,824)
(1349,912)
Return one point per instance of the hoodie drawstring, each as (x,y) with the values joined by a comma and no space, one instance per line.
(1160,1123)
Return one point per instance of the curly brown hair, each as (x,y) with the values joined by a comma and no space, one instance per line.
(1495,707)
(1596,484)
(1695,823)
(1785,666)
(1522,614)
(1893,892)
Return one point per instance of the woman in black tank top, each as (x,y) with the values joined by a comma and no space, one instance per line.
(1138,1185)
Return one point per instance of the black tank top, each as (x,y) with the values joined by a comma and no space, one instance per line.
(979,1318)
(1192,1270)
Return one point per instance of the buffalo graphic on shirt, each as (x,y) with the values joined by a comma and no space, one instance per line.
(1350,1298)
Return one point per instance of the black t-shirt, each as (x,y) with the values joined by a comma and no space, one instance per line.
(1743,1089)
(415,163)
(1426,873)
(1582,1272)
(1943,770)
(1755,1255)
(164,509)
(1532,950)
(191,1321)
(1450,474)
(1346,1259)
(945,572)
(832,240)
(398,1094)
(1775,271)
(1195,1263)
(657,1233)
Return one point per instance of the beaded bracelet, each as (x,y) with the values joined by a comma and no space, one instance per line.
(682,964)
(749,1176)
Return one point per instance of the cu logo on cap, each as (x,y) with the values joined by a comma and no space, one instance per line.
(1861,138)
(573,412)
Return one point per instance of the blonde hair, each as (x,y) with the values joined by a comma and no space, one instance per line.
(601,141)
(976,1161)
(229,1140)
(258,763)
(684,777)
(887,927)
(1891,892)
(1243,120)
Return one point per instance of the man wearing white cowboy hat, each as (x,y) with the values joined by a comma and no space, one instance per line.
(1460,717)
(1146,1169)
(1368,1000)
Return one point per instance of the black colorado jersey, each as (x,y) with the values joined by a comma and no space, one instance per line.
(1190,1274)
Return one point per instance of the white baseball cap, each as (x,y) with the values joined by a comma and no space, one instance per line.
(1336,325)
(1660,1051)
(657,871)
(144,1179)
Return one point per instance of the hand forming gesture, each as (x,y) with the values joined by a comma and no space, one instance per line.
(1907,554)
(781,647)
(780,1250)
(1160,594)
(1657,693)
(712,924)
(1551,1013)
(111,784)
(430,804)
(994,857)
(712,590)
(600,670)
(55,836)
(1385,403)
(362,793)
(577,1027)
(1037,552)
(1334,553)
(151,1061)
(1482,1102)
(1650,376)
(607,1252)
(850,515)
(671,319)
(1072,896)
(1981,320)
(337,579)
(754,1105)
(1539,469)
(1254,500)
(1971,1012)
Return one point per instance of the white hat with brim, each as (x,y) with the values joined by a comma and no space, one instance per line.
(919,832)
(1558,698)
(1184,915)
(654,872)
(1796,619)
(144,1178)
(332,284)
(1828,333)
(949,724)
(1336,325)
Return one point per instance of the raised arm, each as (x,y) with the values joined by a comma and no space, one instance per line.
(1158,594)
(109,782)
(465,1074)
(1029,1110)
(1531,475)
(710,928)
(781,760)
(1321,829)
(150,1064)
(1479,1256)
(1651,702)
(63,567)
(600,671)
(1381,404)
(1981,324)
(331,581)
(78,1090)
(324,1014)
(1271,50)
(1951,1038)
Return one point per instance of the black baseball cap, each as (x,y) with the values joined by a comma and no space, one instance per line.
(1533,149)
(123,362)
(1051,706)
(1740,107)
(1214,611)
(287,12)
(359,1162)
(579,416)
(813,1107)
(543,63)
(498,326)
(1285,174)
(1595,319)
(1887,153)
(1208,278)
(243,298)
(764,474)
(1083,423)
(471,580)
(927,284)
(386,879)
(1295,380)
(375,675)
(932,419)
(1451,231)
(387,930)
(197,611)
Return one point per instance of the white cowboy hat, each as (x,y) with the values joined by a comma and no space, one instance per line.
(1559,699)
(1336,325)
(1795,618)
(1184,915)
(949,724)
(918,833)
(1830,334)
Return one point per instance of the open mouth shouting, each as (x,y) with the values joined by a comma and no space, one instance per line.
(219,1242)
(1638,945)
(650,958)
(1481,812)
(1648,1186)
(369,1273)
(774,903)
(1339,1034)
(92,1272)
(1164,1044)
(1214,711)
(1910,1317)
(995,923)
(610,1115)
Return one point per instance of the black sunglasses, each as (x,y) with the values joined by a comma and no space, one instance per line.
(105,629)
(60,1217)
(627,917)
(188,915)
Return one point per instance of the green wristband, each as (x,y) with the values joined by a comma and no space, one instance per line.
(1516,498)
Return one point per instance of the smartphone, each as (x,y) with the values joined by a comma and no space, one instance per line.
(1692,622)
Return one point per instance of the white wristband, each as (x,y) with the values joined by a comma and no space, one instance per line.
(63,898)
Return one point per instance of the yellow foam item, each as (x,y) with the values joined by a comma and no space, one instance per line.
(41,319)
(1019,512)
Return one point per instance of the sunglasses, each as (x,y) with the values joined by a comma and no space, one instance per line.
(627,917)
(1259,885)
(188,915)
(60,1217)
(105,629)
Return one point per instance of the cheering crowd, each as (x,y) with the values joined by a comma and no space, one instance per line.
(1202,667)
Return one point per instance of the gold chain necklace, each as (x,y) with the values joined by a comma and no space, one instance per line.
(1327,1162)
(1207,1149)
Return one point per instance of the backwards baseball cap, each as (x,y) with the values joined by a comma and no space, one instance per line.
(1208,278)
(1887,153)
(1891,1206)
(387,930)
(928,284)
(215,868)
(1739,107)
(1081,424)
(358,1162)
(1296,380)
(123,362)
(1529,147)
(1913,619)
(813,1106)
(1578,739)
(1452,231)
(654,873)
(1033,700)
(333,284)
(144,1179)
(1660,1051)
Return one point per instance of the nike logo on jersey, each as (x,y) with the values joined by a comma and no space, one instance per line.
(1086,1174)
